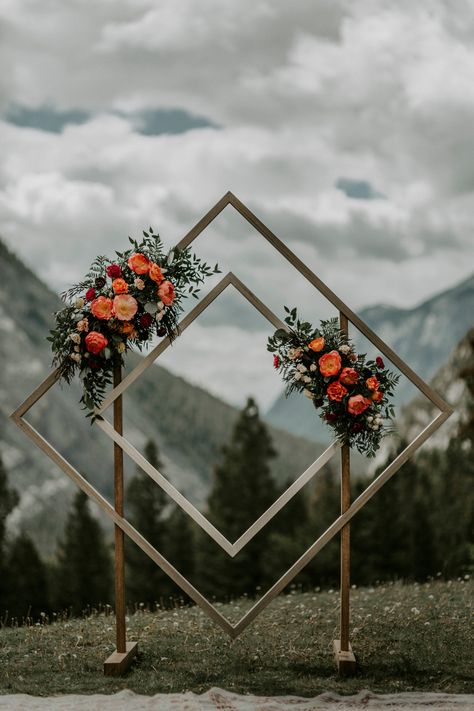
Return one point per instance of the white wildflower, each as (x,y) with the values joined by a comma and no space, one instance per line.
(75,357)
(75,337)
(297,375)
(313,367)
(79,303)
(302,368)
(415,610)
(306,379)
(345,349)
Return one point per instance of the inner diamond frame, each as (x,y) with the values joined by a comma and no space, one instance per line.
(233,630)
(230,548)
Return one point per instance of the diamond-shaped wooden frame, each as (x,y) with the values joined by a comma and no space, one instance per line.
(445,411)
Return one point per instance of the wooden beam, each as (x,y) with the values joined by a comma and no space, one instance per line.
(119,662)
(345,661)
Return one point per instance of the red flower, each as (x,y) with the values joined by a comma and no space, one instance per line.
(330,416)
(380,363)
(336,391)
(146,320)
(114,271)
(95,342)
(90,294)
(357,427)
(276,361)
(377,395)
(166,293)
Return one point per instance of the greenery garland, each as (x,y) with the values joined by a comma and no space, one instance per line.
(352,393)
(122,303)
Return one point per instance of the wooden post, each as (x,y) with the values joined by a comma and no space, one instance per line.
(345,659)
(120,660)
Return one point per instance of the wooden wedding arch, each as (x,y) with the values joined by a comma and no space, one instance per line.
(120,660)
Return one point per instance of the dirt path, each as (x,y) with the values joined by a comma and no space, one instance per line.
(220,700)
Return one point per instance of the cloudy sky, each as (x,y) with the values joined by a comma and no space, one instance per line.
(346,126)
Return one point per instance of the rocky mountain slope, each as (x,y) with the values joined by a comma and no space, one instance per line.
(423,336)
(189,425)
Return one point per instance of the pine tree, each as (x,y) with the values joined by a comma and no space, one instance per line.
(145,502)
(179,546)
(8,501)
(324,509)
(27,580)
(84,565)
(243,488)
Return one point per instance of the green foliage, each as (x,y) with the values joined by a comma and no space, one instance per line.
(83,576)
(28,594)
(145,506)
(242,490)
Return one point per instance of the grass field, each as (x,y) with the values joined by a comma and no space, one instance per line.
(406,638)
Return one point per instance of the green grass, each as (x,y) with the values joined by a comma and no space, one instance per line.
(406,638)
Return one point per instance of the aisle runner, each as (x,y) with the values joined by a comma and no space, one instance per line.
(220,700)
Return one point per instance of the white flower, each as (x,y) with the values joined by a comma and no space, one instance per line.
(139,283)
(294,353)
(302,368)
(297,375)
(75,337)
(345,349)
(120,347)
(77,349)
(75,357)
(313,367)
(79,303)
(306,379)
(370,419)
(151,308)
(308,394)
(160,305)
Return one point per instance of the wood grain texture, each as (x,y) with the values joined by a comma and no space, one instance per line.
(119,662)
(345,554)
(118,533)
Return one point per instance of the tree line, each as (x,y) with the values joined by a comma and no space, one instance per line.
(420,524)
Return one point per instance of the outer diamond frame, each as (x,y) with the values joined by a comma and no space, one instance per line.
(445,411)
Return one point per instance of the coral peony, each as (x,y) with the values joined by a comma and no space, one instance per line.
(90,294)
(95,342)
(119,286)
(357,404)
(125,307)
(155,273)
(166,293)
(336,391)
(377,396)
(330,364)
(138,263)
(102,308)
(379,362)
(317,344)
(372,383)
(127,327)
(349,376)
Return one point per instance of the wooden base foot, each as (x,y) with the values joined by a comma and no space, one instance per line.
(118,662)
(345,661)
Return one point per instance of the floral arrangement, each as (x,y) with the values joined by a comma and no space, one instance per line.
(121,303)
(352,393)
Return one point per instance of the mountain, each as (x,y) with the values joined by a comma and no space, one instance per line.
(189,425)
(423,336)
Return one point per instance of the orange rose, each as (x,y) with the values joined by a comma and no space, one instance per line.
(377,396)
(95,342)
(330,364)
(125,307)
(138,263)
(166,293)
(349,376)
(102,308)
(317,344)
(155,273)
(336,391)
(372,383)
(127,327)
(357,404)
(119,286)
